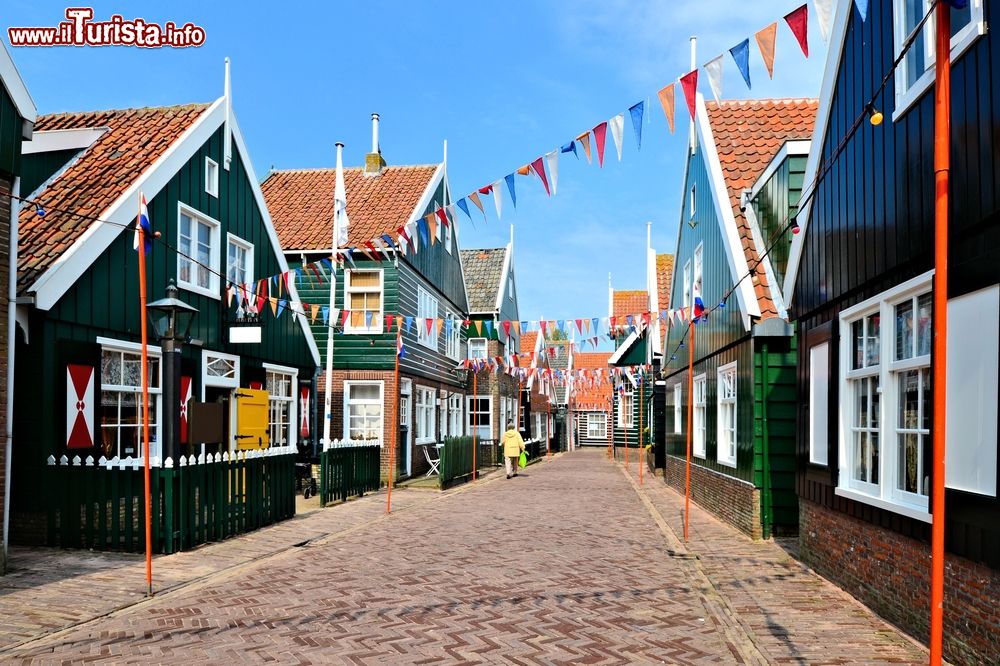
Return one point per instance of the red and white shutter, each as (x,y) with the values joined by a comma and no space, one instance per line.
(186,384)
(303,411)
(79,406)
(256,386)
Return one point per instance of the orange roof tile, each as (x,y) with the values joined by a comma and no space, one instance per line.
(586,396)
(100,175)
(301,203)
(748,134)
(528,341)
(629,303)
(664,277)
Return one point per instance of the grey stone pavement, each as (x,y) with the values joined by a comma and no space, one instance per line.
(572,562)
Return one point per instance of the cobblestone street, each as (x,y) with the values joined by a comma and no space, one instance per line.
(571,562)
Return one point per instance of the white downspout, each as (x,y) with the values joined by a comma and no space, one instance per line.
(11,338)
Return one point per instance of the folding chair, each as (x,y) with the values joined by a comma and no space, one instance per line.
(433,462)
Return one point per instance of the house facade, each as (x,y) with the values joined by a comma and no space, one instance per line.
(420,284)
(492,295)
(78,297)
(860,286)
(743,179)
(17,118)
(630,328)
(590,400)
(535,418)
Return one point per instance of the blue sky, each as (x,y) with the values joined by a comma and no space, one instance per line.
(502,82)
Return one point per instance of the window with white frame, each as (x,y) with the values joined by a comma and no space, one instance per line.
(221,369)
(281,405)
(692,205)
(886,393)
(510,287)
(625,408)
(503,415)
(916,70)
(698,282)
(121,400)
(597,425)
(678,409)
(363,297)
(448,234)
(425,415)
(698,427)
(443,414)
(427,308)
(455,414)
(477,348)
(686,297)
(211,177)
(239,260)
(726,423)
(480,411)
(198,252)
(541,426)
(454,334)
(363,410)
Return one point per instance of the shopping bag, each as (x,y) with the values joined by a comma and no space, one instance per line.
(523,460)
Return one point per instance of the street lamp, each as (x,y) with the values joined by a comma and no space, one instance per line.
(171,319)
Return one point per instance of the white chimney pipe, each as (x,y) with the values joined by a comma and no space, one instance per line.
(375,133)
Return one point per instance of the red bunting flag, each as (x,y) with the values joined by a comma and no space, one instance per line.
(600,136)
(506,328)
(442,215)
(388,322)
(429,323)
(579,326)
(689,85)
(374,252)
(486,190)
(765,40)
(344,316)
(539,168)
(542,325)
(319,277)
(611,322)
(798,21)
(667,102)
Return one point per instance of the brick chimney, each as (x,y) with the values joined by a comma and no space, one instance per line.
(374,164)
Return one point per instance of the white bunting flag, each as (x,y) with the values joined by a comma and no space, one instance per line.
(824,15)
(552,161)
(498,197)
(714,70)
(617,125)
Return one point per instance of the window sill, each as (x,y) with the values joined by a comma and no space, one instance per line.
(195,289)
(901,509)
(728,463)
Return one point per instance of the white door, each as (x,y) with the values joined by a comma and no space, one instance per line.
(404,420)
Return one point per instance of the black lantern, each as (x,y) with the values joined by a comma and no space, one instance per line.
(171,319)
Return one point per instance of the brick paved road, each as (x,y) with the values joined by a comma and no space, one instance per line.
(565,564)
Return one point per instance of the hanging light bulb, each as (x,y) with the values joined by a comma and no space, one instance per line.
(722,303)
(39,210)
(795,225)
(874,115)
(673,357)
(681,344)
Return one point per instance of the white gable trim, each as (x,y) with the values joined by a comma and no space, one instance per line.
(838,35)
(504,272)
(64,271)
(624,347)
(51,140)
(727,222)
(14,84)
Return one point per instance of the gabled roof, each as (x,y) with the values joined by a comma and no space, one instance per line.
(629,303)
(96,179)
(664,278)
(301,203)
(484,277)
(14,84)
(585,396)
(528,341)
(746,135)
(623,348)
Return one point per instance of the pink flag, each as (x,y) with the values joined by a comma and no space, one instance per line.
(539,168)
(600,136)
(689,84)
(798,21)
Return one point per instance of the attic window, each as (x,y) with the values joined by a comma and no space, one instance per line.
(211,177)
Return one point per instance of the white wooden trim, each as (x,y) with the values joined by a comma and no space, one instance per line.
(791,147)
(624,347)
(772,282)
(211,186)
(502,287)
(246,245)
(720,458)
(124,345)
(376,327)
(727,221)
(901,509)
(293,414)
(347,401)
(838,33)
(14,84)
(219,382)
(51,140)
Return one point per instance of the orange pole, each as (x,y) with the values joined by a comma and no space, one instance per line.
(393,427)
(548,429)
(475,420)
(942,148)
(642,439)
(145,404)
(625,421)
(687,471)
(611,405)
(474,444)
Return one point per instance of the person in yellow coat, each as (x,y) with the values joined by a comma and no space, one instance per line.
(513,444)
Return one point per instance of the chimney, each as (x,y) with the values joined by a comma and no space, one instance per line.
(374,164)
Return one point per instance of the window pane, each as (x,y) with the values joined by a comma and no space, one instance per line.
(873,463)
(872,345)
(861,418)
(875,400)
(364,279)
(364,392)
(111,367)
(925,389)
(924,325)
(909,455)
(861,456)
(916,57)
(904,330)
(858,344)
(909,400)
(960,18)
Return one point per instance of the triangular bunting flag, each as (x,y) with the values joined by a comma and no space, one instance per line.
(862,6)
(741,54)
(570,148)
(498,198)
(538,167)
(517,328)
(579,326)
(689,85)
(506,328)
(388,322)
(824,17)
(636,111)
(442,215)
(617,125)
(765,40)
(314,311)
(798,21)
(600,136)
(479,327)
(422,228)
(274,305)
(489,328)
(344,316)
(666,96)
(584,140)
(714,70)
(431,219)
(429,324)
(523,171)
(596,323)
(409,323)
(326,315)
(440,325)
(463,204)
(509,178)
(479,204)
(552,162)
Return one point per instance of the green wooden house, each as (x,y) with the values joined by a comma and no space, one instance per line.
(631,327)
(78,400)
(742,181)
(420,284)
(17,117)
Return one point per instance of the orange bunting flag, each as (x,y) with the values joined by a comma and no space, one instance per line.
(765,40)
(479,327)
(584,140)
(274,305)
(431,220)
(479,204)
(524,171)
(517,327)
(315,311)
(440,325)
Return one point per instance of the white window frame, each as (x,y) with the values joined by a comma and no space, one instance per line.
(475,342)
(212,177)
(350,327)
(423,401)
(488,412)
(350,383)
(819,404)
(448,233)
(212,291)
(292,376)
(699,446)
(960,42)
(692,205)
(453,346)
(510,287)
(678,408)
(626,417)
(425,311)
(597,425)
(884,493)
(455,414)
(234,240)
(156,394)
(207,356)
(727,437)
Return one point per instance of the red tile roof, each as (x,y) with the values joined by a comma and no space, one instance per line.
(629,303)
(748,134)
(528,341)
(585,396)
(100,175)
(301,203)
(664,276)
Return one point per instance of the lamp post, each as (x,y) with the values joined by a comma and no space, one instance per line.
(171,319)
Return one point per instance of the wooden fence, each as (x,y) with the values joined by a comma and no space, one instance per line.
(100,505)
(347,468)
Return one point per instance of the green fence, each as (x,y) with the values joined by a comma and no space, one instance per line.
(456,458)
(101,505)
(349,468)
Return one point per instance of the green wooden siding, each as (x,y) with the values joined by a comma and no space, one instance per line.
(643,397)
(778,403)
(11,128)
(775,205)
(37,168)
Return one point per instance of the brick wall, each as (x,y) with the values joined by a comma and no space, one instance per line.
(890,573)
(732,500)
(5,187)
(389,433)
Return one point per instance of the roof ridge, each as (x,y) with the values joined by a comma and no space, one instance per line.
(762,100)
(353,168)
(130,109)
